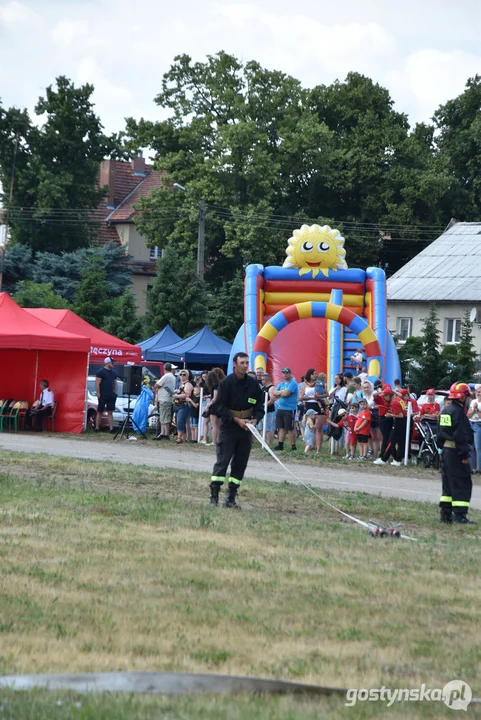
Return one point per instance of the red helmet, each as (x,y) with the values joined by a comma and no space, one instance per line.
(458,391)
(431,391)
(387,390)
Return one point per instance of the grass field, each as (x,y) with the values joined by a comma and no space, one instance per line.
(108,567)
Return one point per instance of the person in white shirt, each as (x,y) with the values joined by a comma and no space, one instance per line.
(474,416)
(41,408)
(363,374)
(338,390)
(356,360)
(165,393)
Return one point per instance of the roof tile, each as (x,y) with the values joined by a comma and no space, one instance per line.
(444,271)
(126,188)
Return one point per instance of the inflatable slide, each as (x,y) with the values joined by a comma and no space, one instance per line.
(316,312)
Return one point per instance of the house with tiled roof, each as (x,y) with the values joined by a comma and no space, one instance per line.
(446,274)
(126,183)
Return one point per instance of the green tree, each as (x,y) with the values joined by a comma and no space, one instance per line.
(410,352)
(227,308)
(30,294)
(178,298)
(467,357)
(458,123)
(65,270)
(383,179)
(56,168)
(450,353)
(243,139)
(92,302)
(123,321)
(266,155)
(18,266)
(432,365)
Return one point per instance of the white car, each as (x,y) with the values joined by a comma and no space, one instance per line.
(121,405)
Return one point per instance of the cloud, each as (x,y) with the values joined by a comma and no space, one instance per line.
(306,46)
(430,77)
(124,48)
(66,32)
(14,13)
(88,71)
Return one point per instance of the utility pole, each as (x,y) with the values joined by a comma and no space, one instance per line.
(201,241)
(7,221)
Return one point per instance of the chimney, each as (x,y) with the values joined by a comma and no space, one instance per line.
(107,177)
(138,165)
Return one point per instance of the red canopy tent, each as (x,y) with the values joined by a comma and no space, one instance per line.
(31,350)
(102,344)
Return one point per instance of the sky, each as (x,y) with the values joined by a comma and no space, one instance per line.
(422,51)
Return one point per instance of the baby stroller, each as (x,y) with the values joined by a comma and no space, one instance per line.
(335,433)
(428,447)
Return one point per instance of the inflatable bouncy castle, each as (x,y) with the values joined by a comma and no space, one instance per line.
(315,312)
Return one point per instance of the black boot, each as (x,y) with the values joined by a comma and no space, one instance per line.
(230,496)
(214,493)
(446,516)
(463,519)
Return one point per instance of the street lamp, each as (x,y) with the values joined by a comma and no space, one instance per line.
(200,234)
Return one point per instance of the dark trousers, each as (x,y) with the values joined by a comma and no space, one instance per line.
(385,425)
(234,444)
(397,438)
(38,413)
(457,483)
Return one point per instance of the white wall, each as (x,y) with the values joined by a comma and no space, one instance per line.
(418,312)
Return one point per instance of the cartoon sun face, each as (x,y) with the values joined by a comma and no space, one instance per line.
(316,249)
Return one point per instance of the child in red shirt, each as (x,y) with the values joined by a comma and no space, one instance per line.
(430,410)
(351,440)
(362,428)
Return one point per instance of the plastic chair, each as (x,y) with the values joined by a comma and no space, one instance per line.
(51,417)
(20,413)
(6,413)
(12,418)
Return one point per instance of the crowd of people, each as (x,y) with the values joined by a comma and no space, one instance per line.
(189,400)
(365,421)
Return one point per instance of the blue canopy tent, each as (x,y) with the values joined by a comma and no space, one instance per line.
(203,348)
(162,339)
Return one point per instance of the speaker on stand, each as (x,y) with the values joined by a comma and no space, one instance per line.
(132,379)
(132,386)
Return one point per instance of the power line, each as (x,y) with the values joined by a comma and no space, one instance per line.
(223,211)
(361,231)
(301,218)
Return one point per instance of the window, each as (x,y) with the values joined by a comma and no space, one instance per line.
(405,328)
(453,330)
(154,253)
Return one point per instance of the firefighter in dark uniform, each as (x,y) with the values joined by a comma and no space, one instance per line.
(455,437)
(239,401)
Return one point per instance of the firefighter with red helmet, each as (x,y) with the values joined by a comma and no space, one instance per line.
(455,437)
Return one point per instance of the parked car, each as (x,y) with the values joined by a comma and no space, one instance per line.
(121,405)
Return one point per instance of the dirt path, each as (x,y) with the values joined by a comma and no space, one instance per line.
(376,482)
